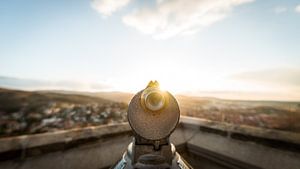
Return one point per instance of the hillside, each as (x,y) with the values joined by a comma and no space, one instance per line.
(35,112)
(280,115)
(24,112)
(112,96)
(265,114)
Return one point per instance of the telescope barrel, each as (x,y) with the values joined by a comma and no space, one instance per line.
(153,115)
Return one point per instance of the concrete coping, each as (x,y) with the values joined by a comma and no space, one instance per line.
(290,137)
(65,136)
(35,140)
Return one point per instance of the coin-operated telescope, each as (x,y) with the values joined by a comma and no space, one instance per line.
(153,115)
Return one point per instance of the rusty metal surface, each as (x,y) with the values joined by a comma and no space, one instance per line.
(153,125)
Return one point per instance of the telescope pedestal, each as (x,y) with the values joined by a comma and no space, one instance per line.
(153,115)
(145,157)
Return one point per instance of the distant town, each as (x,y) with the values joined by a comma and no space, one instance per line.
(38,113)
(24,112)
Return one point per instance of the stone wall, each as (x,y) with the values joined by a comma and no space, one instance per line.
(203,143)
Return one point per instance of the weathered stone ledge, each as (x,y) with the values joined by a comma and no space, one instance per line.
(35,140)
(65,136)
(290,137)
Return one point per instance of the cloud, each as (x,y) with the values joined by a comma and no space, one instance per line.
(107,7)
(280,9)
(297,9)
(179,17)
(282,83)
(247,95)
(288,78)
(29,84)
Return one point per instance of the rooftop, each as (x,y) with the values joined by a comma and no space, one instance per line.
(203,143)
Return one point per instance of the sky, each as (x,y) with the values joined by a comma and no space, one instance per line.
(239,49)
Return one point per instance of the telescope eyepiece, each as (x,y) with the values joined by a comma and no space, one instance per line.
(152,113)
(154,99)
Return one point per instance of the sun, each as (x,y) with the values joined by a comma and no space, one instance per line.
(171,75)
(174,76)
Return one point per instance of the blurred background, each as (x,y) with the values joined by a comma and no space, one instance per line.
(68,70)
(66,65)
